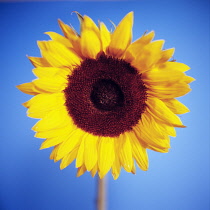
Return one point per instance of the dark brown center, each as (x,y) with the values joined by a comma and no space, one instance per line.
(105,96)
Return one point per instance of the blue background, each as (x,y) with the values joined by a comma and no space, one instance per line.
(178,180)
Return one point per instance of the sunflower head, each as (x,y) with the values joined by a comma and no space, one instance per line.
(102,99)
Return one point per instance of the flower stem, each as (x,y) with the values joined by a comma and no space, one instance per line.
(101,199)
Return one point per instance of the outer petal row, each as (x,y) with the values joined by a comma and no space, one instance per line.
(161,112)
(97,154)
(58,55)
(41,104)
(122,36)
(90,39)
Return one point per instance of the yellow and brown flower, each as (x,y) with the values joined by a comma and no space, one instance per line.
(104,100)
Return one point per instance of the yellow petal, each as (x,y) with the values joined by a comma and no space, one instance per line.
(157,149)
(91,151)
(54,153)
(71,35)
(150,134)
(133,171)
(51,72)
(90,41)
(45,71)
(121,37)
(105,36)
(41,104)
(176,106)
(188,79)
(58,55)
(174,66)
(163,91)
(162,77)
(166,55)
(90,44)
(160,111)
(106,155)
(57,118)
(116,168)
(125,151)
(149,123)
(80,154)
(136,47)
(51,84)
(157,130)
(39,62)
(81,170)
(73,141)
(149,56)
(94,170)
(68,159)
(67,31)
(88,24)
(50,142)
(139,152)
(28,88)
(56,132)
(166,83)
(144,40)
(170,130)
(57,37)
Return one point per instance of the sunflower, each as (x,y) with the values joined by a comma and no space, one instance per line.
(102,99)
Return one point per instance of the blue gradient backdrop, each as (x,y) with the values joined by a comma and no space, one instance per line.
(178,180)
